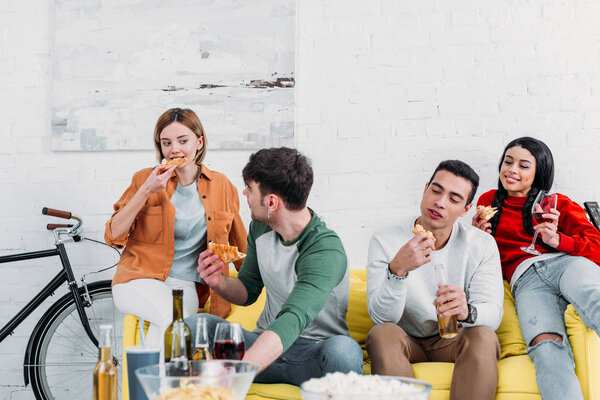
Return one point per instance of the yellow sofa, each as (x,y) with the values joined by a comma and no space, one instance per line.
(516,372)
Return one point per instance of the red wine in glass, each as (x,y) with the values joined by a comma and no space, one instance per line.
(229,350)
(538,216)
(542,205)
(229,341)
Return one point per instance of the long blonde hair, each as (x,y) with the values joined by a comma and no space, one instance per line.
(189,119)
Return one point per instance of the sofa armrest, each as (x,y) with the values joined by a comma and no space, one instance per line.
(586,352)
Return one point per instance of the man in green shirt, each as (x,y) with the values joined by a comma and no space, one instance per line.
(302,332)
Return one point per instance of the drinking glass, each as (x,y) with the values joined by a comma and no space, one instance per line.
(229,341)
(544,201)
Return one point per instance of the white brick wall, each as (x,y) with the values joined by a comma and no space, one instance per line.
(385,90)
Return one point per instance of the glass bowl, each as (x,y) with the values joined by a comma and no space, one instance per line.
(351,386)
(161,380)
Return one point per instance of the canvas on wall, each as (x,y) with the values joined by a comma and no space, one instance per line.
(119,64)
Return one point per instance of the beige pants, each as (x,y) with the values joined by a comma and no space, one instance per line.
(474,352)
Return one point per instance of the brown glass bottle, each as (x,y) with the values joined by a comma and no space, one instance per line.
(105,373)
(178,338)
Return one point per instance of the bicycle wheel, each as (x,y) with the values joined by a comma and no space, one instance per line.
(62,357)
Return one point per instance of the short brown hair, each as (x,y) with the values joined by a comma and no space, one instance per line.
(283,171)
(189,119)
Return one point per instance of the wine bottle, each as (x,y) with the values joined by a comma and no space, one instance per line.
(202,352)
(105,373)
(178,338)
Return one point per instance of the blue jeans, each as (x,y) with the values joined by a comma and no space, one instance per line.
(541,295)
(304,359)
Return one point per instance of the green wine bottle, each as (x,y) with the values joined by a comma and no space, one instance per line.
(178,339)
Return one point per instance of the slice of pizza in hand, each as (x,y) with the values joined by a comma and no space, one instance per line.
(488,212)
(173,162)
(418,229)
(227,253)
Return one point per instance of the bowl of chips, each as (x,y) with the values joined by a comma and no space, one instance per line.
(198,380)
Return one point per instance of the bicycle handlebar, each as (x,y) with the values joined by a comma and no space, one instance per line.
(56,213)
(72,230)
(52,227)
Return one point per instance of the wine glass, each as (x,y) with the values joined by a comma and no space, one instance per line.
(542,205)
(229,341)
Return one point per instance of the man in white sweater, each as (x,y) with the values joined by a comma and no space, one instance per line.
(403,290)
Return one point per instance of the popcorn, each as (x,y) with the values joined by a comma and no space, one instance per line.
(340,386)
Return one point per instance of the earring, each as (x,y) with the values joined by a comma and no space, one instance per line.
(268,213)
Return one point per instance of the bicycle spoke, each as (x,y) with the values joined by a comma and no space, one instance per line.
(83,391)
(79,378)
(88,344)
(63,364)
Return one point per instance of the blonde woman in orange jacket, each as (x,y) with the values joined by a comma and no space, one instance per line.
(164,219)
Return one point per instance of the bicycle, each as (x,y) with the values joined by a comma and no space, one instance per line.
(63,348)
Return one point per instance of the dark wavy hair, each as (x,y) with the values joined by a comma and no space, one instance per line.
(544,177)
(282,171)
(462,170)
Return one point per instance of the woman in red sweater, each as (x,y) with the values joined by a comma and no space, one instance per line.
(565,273)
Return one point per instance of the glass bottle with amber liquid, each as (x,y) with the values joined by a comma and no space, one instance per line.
(105,373)
(202,352)
(178,339)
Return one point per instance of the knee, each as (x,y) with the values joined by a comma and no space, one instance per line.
(342,352)
(481,338)
(480,334)
(546,336)
(549,350)
(344,347)
(381,332)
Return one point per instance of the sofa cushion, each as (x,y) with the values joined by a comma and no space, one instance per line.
(279,391)
(586,351)
(359,321)
(509,333)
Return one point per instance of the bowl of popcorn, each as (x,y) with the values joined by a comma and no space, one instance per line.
(198,380)
(352,386)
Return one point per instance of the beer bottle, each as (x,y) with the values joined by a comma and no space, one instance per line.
(178,337)
(202,351)
(105,373)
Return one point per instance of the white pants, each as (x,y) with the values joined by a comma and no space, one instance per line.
(152,300)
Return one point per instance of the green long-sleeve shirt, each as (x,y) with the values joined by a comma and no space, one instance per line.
(306,281)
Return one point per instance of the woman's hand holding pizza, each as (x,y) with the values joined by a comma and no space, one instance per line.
(157,180)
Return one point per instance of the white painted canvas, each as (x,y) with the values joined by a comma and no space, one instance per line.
(118,64)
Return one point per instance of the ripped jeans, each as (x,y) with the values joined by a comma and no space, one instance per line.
(541,295)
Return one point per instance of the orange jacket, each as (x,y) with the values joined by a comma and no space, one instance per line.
(149,244)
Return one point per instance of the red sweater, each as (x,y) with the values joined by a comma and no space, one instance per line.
(578,237)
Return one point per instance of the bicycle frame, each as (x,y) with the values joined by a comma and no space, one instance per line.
(66,275)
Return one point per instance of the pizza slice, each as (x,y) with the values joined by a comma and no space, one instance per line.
(172,162)
(488,212)
(418,229)
(227,253)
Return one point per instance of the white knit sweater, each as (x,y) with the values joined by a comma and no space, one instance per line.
(471,261)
